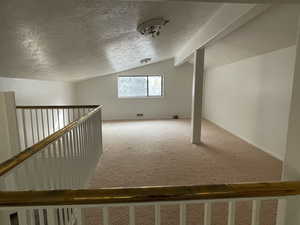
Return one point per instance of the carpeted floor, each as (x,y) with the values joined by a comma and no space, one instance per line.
(159,152)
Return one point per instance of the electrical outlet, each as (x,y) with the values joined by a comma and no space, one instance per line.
(140,114)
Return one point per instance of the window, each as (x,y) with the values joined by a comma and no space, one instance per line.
(140,86)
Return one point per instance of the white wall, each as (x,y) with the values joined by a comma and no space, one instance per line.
(251,98)
(37,92)
(177,99)
(291,169)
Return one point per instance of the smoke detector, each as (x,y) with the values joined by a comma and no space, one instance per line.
(145,60)
(152,26)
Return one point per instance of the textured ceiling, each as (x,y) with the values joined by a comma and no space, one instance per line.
(273,30)
(78,39)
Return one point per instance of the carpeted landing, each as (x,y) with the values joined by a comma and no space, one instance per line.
(159,152)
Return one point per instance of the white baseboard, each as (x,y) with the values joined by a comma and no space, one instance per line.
(145,117)
(273,154)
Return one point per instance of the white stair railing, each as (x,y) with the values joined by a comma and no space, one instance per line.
(45,183)
(64,159)
(37,122)
(157,197)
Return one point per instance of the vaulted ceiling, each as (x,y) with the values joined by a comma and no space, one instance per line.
(274,29)
(78,39)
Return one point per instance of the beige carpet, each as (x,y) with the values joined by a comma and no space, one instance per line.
(159,152)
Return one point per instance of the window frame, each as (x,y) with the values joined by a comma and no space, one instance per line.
(143,75)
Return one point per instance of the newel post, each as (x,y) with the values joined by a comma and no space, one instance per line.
(9,143)
(9,134)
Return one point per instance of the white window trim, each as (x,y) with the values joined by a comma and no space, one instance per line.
(143,97)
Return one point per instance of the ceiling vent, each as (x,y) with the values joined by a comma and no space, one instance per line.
(152,26)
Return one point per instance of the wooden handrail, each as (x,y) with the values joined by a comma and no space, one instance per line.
(28,152)
(55,106)
(148,194)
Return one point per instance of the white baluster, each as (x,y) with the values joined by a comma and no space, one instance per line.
(65,161)
(55,172)
(22,216)
(77,141)
(131,215)
(81,142)
(207,213)
(69,115)
(231,213)
(256,204)
(73,146)
(43,123)
(70,159)
(78,113)
(100,138)
(52,217)
(60,164)
(73,113)
(67,146)
(65,216)
(182,214)
(42,170)
(41,217)
(48,121)
(97,134)
(86,141)
(79,214)
(105,216)
(74,143)
(58,119)
(24,129)
(82,153)
(64,117)
(68,215)
(48,168)
(37,124)
(79,160)
(157,214)
(31,123)
(92,137)
(60,212)
(53,120)
(32,217)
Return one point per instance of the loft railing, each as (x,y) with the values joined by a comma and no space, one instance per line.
(131,198)
(64,159)
(43,186)
(37,122)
